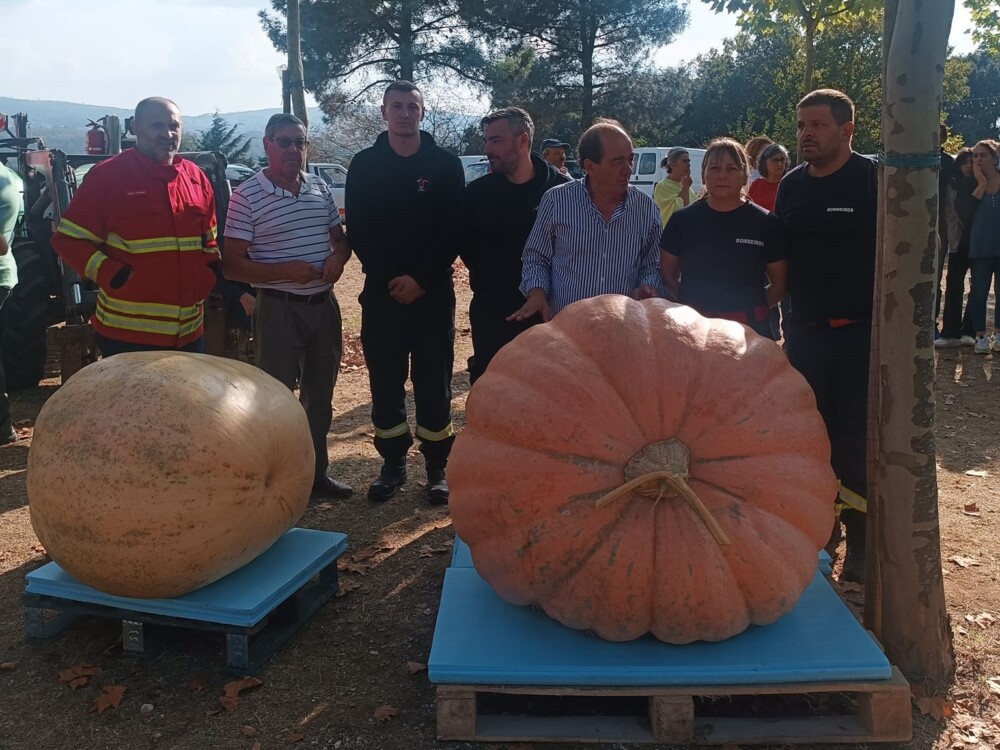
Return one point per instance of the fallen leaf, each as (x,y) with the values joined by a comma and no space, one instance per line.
(977,473)
(79,675)
(39,549)
(346,587)
(255,745)
(228,703)
(993,683)
(352,567)
(936,707)
(964,562)
(961,631)
(428,551)
(317,710)
(234,688)
(384,713)
(971,508)
(323,506)
(197,684)
(983,619)
(110,698)
(248,731)
(7,666)
(366,553)
(294,737)
(415,667)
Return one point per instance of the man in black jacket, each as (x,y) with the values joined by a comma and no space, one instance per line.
(497,213)
(401,197)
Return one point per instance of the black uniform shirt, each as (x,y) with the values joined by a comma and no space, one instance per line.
(829,225)
(723,255)
(497,217)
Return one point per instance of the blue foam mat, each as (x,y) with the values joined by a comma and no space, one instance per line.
(480,639)
(462,558)
(242,598)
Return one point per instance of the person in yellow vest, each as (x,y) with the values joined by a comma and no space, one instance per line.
(674,191)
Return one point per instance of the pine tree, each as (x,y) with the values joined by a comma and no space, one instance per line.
(224,138)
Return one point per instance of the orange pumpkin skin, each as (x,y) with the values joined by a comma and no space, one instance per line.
(552,427)
(156,473)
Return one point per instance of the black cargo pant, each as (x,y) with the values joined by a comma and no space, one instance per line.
(835,363)
(299,343)
(416,339)
(491,331)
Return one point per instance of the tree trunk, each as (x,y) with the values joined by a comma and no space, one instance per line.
(807,79)
(295,75)
(406,61)
(913,620)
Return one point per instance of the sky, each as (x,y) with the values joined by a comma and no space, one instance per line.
(206,55)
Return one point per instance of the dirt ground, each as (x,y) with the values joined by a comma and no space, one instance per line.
(330,685)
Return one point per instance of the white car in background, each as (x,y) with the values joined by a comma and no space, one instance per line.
(646,169)
(475,166)
(335,176)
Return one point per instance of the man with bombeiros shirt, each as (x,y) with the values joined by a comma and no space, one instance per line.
(497,214)
(828,207)
(402,194)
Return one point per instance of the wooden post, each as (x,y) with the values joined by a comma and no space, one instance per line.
(912,618)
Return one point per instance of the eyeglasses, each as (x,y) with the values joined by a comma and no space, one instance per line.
(299,143)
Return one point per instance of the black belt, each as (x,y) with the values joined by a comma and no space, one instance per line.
(308,299)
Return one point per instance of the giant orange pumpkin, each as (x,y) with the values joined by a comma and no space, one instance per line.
(153,474)
(632,467)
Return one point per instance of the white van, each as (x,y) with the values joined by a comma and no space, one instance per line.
(475,166)
(335,176)
(646,169)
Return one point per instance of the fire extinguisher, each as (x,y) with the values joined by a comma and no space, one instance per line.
(97,138)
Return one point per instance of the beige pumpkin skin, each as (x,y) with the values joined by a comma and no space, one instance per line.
(153,474)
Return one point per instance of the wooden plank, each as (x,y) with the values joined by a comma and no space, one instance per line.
(672,717)
(888,714)
(456,714)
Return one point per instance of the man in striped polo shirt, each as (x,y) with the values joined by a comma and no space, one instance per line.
(283,236)
(598,235)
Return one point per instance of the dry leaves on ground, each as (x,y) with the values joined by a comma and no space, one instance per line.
(977,473)
(384,713)
(983,619)
(415,667)
(294,737)
(197,684)
(317,710)
(231,692)
(993,683)
(429,551)
(936,707)
(347,587)
(964,562)
(110,698)
(248,731)
(79,675)
(7,666)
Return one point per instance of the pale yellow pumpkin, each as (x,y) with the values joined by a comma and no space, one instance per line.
(153,474)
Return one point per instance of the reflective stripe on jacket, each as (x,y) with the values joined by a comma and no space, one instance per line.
(157,220)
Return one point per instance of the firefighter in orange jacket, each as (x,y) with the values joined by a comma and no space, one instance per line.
(142,226)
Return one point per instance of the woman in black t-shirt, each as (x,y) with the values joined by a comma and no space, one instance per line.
(723,255)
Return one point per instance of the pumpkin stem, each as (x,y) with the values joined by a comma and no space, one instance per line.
(674,455)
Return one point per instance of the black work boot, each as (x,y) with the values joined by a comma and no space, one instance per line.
(390,478)
(437,486)
(855,567)
(7,433)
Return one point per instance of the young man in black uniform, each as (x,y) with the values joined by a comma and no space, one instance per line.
(401,197)
(497,214)
(828,207)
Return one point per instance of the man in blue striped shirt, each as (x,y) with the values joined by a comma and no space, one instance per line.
(284,236)
(598,235)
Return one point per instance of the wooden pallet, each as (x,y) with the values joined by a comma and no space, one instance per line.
(257,608)
(877,711)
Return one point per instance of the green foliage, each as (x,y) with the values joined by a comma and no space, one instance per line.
(576,49)
(975,116)
(352,47)
(986,20)
(223,137)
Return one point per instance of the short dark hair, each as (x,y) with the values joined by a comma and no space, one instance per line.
(591,146)
(406,87)
(840,104)
(280,120)
(149,101)
(519,121)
